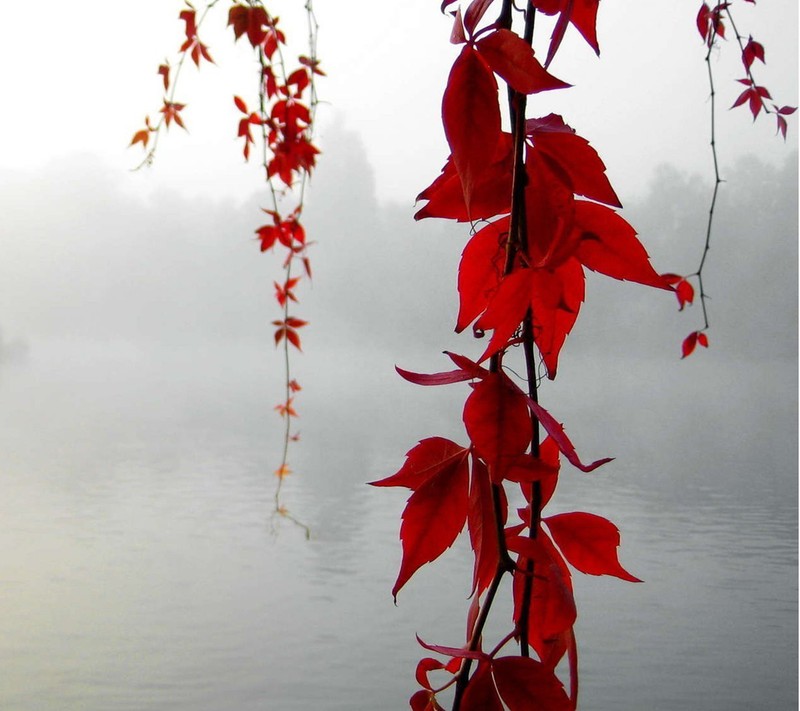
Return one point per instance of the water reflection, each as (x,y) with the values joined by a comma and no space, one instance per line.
(138,569)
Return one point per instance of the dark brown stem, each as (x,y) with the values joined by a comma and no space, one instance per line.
(463,675)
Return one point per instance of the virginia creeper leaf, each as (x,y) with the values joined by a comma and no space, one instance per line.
(491,193)
(482,528)
(471,118)
(608,244)
(512,58)
(481,694)
(425,460)
(576,157)
(552,604)
(480,270)
(435,513)
(527,685)
(556,298)
(506,309)
(497,422)
(589,543)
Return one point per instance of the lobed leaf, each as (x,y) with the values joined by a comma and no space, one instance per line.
(589,543)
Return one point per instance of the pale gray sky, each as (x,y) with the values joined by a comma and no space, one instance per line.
(80,78)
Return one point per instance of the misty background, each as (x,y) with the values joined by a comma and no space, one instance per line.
(139,563)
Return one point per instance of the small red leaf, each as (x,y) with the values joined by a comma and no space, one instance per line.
(471,117)
(497,421)
(512,58)
(527,685)
(589,543)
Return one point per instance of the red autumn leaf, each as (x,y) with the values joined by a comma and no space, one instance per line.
(491,194)
(249,20)
(471,118)
(691,341)
(512,58)
(142,137)
(163,70)
(171,111)
(424,701)
(425,665)
(482,528)
(581,13)
(547,467)
(457,34)
(480,270)
(556,298)
(497,422)
(527,685)
(481,694)
(589,543)
(506,309)
(556,431)
(446,378)
(683,289)
(574,155)
(475,12)
(753,50)
(423,461)
(552,603)
(549,204)
(457,652)
(754,95)
(608,244)
(433,517)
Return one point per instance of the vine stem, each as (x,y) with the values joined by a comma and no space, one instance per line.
(717,179)
(517,241)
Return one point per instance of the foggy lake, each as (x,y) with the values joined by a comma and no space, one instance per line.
(141,567)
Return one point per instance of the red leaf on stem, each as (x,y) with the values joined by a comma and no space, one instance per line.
(589,543)
(471,118)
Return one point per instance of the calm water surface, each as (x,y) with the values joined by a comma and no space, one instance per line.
(140,568)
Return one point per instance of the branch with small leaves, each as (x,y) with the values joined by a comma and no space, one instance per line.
(283,123)
(711,26)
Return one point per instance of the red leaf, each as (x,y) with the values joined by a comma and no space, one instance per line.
(556,298)
(547,467)
(446,378)
(491,193)
(549,203)
(424,701)
(574,155)
(581,13)
(142,137)
(482,528)
(433,518)
(471,117)
(475,11)
(163,70)
(512,58)
(753,50)
(497,422)
(425,460)
(527,685)
(688,345)
(481,694)
(608,244)
(589,543)
(556,431)
(480,270)
(425,665)
(552,605)
(506,309)
(457,652)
